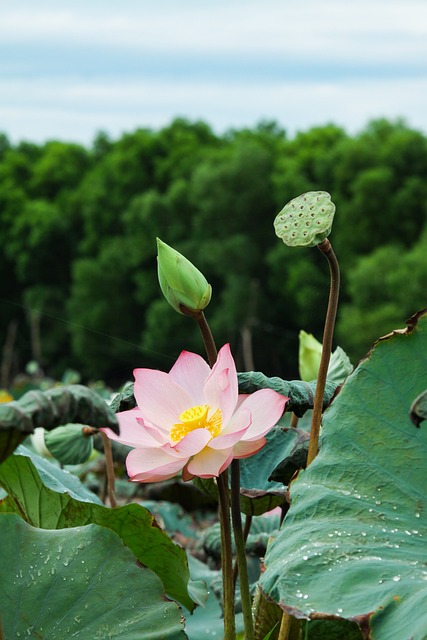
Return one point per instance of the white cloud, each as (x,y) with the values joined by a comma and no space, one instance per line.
(243,49)
(359,30)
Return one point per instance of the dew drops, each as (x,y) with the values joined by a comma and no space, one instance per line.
(396,578)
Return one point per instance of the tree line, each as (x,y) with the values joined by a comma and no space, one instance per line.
(78,229)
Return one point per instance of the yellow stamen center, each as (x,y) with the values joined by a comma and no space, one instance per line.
(197,418)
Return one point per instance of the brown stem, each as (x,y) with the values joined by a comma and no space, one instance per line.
(294,421)
(109,465)
(290,626)
(207,336)
(326,248)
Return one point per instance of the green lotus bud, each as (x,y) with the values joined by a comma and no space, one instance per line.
(182,284)
(310,352)
(306,220)
(68,444)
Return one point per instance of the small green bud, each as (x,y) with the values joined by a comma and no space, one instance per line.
(310,352)
(182,284)
(306,220)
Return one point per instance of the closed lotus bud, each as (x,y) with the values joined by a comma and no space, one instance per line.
(310,352)
(182,284)
(68,444)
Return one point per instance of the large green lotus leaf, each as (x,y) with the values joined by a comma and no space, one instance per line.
(353,543)
(43,474)
(49,409)
(258,494)
(78,583)
(48,508)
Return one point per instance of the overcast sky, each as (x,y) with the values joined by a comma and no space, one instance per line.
(71,68)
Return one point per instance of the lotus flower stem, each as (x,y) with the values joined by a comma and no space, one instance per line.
(294,421)
(326,248)
(224,504)
(226,556)
(211,350)
(246,529)
(109,465)
(240,550)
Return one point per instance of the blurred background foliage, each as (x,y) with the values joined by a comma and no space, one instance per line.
(78,227)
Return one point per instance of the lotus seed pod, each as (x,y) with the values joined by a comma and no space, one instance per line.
(306,220)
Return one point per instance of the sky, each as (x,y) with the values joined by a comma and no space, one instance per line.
(69,69)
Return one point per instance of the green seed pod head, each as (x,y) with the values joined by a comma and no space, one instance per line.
(182,284)
(306,220)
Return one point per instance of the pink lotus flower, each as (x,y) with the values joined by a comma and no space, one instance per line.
(193,419)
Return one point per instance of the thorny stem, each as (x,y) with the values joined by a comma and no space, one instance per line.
(240,550)
(109,465)
(326,248)
(226,556)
